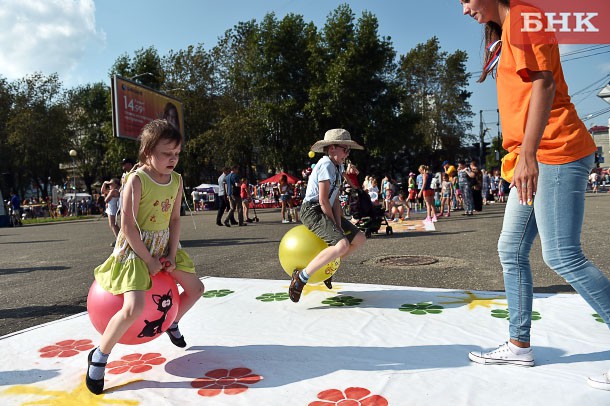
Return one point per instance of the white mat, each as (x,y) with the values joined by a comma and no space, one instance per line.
(249,345)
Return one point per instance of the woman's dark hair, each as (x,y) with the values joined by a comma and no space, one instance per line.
(492,33)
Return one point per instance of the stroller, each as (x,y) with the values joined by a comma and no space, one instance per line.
(370,217)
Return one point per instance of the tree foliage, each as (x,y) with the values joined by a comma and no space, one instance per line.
(259,98)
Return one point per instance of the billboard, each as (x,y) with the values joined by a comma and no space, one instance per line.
(134,105)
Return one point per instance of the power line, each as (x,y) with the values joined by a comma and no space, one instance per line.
(585,56)
(588,49)
(596,83)
(595,114)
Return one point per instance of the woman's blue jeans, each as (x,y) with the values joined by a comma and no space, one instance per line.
(557,215)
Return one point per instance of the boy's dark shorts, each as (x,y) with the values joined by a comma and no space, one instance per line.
(323,227)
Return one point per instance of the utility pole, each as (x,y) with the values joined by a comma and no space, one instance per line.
(481,140)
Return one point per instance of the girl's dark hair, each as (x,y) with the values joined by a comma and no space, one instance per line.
(492,33)
(152,133)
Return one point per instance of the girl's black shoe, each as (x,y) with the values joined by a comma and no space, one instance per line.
(178,342)
(96,386)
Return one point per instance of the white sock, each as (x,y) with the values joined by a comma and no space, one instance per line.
(176,333)
(518,350)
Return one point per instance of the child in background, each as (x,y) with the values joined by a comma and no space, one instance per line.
(399,203)
(150,230)
(446,195)
(321,210)
(110,191)
(246,198)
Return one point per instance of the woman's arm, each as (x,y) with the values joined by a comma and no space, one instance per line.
(541,101)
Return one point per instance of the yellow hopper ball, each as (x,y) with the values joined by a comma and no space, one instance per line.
(311,154)
(298,247)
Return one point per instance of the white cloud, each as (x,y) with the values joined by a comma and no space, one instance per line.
(45,35)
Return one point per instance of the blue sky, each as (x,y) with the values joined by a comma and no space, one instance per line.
(81,39)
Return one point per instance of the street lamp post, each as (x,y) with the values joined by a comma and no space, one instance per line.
(73,155)
(140,75)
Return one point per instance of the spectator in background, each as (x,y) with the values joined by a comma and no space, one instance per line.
(196,196)
(110,191)
(351,176)
(15,204)
(233,181)
(465,179)
(223,199)
(246,198)
(476,186)
(594,179)
(446,195)
(427,194)
(399,205)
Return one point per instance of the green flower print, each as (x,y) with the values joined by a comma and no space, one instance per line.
(597,317)
(421,308)
(217,293)
(503,314)
(270,297)
(339,301)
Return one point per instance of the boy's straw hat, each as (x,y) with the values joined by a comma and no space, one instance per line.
(337,136)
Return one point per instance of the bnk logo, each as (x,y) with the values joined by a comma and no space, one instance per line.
(560,21)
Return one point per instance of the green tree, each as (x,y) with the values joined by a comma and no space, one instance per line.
(90,120)
(282,78)
(356,88)
(434,88)
(190,76)
(6,156)
(38,134)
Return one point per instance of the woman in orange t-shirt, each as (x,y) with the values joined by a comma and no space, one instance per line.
(550,156)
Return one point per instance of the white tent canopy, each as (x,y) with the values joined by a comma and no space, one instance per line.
(205,187)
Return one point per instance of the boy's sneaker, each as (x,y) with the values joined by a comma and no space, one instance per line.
(296,286)
(600,381)
(329,282)
(503,355)
(285,221)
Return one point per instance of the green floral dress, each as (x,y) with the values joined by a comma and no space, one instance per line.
(124,270)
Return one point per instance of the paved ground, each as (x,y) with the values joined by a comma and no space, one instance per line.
(46,270)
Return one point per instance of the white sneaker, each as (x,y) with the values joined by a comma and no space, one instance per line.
(600,381)
(285,221)
(503,355)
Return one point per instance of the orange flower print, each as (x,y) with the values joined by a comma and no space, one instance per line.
(232,382)
(156,203)
(165,206)
(351,397)
(66,348)
(136,363)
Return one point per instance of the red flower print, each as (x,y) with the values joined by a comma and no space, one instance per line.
(136,363)
(351,397)
(66,348)
(233,382)
(165,205)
